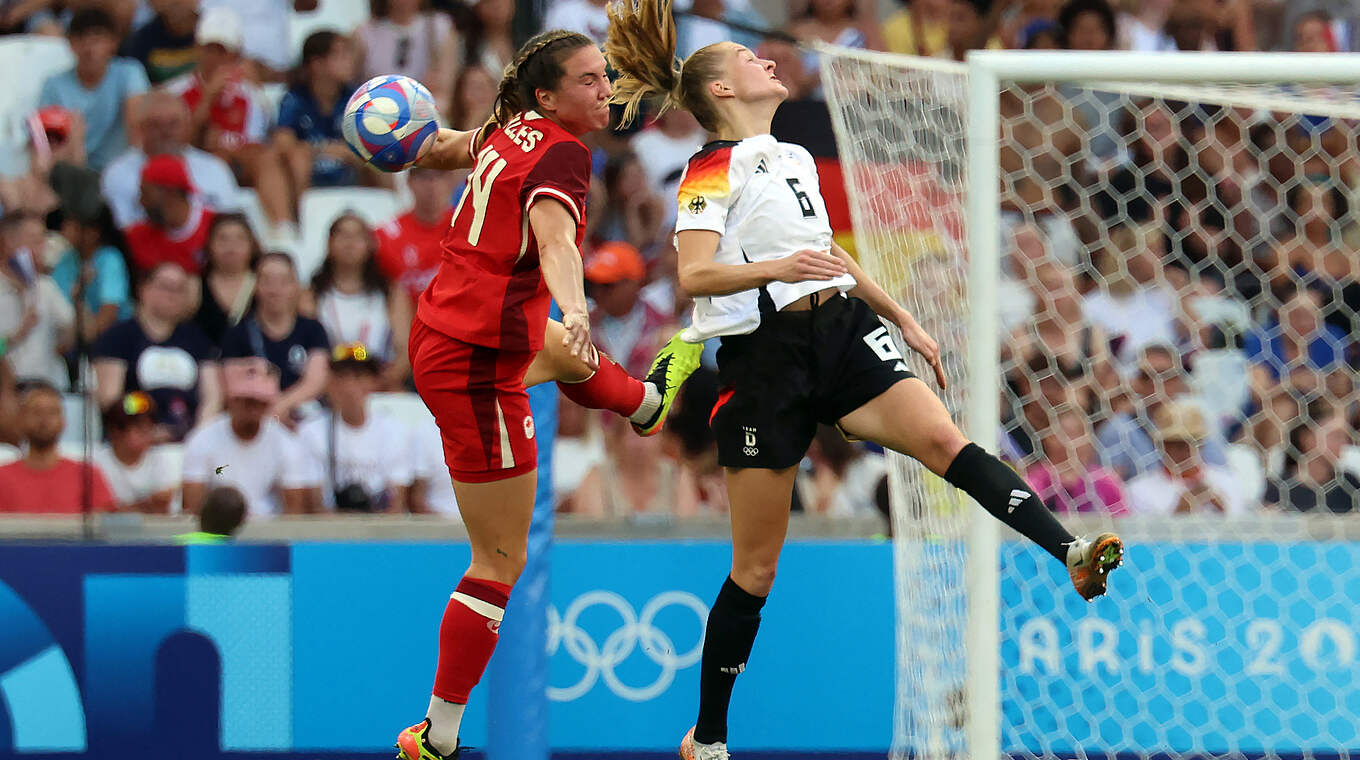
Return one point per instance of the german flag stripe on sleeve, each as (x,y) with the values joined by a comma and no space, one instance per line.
(706,177)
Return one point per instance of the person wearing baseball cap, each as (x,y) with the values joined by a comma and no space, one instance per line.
(627,325)
(1184,483)
(141,475)
(176,225)
(248,449)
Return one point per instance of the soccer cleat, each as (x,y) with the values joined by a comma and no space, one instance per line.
(692,750)
(1090,562)
(674,364)
(413,744)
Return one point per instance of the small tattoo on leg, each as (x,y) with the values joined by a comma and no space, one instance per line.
(503,554)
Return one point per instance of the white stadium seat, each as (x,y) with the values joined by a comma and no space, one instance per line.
(72,434)
(37,57)
(320,206)
(336,15)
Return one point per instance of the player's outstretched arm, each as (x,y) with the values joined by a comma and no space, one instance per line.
(884,306)
(701,275)
(451,150)
(555,230)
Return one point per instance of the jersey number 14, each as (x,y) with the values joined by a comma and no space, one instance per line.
(489,166)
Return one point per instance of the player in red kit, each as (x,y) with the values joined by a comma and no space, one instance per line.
(482,334)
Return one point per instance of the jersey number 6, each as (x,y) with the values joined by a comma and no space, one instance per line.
(804,202)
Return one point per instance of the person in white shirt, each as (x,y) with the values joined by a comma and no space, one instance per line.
(143,477)
(364,460)
(249,450)
(36,321)
(1184,484)
(1135,305)
(585,16)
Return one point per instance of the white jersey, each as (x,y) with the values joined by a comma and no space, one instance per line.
(762,196)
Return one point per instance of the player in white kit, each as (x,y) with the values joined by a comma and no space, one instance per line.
(803,339)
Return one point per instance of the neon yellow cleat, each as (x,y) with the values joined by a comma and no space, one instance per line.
(1089,563)
(412,744)
(673,365)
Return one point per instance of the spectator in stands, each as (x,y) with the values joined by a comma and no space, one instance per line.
(56,138)
(365,462)
(1211,25)
(673,138)
(1087,25)
(92,273)
(101,88)
(228,115)
(176,226)
(972,26)
(402,37)
(1143,28)
(474,96)
(1069,477)
(248,449)
(1127,441)
(142,476)
(266,25)
(308,134)
(276,331)
(632,214)
(165,44)
(627,327)
(228,282)
(11,433)
(411,246)
(919,27)
(850,23)
(712,21)
(1133,304)
(1312,477)
(44,481)
(843,479)
(1313,32)
(584,16)
(357,303)
(1312,252)
(431,487)
(488,35)
(1155,155)
(1295,347)
(164,121)
(36,321)
(1184,482)
(158,352)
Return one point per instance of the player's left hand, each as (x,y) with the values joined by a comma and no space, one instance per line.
(921,342)
(577,340)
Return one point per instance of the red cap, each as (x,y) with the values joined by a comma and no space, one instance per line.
(55,119)
(167,171)
(614,261)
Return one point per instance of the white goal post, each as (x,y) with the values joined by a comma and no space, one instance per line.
(892,115)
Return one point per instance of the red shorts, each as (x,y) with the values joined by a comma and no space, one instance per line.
(477,397)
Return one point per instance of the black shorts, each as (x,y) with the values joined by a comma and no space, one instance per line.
(797,369)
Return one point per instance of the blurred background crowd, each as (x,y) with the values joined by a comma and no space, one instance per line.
(188,240)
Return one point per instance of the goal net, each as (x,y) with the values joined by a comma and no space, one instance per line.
(1170,267)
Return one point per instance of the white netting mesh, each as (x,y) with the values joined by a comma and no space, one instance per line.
(1178,295)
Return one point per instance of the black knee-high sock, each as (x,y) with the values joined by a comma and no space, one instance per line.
(732,625)
(1003,493)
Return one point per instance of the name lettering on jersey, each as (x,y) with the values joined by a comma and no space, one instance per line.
(525,137)
(489,166)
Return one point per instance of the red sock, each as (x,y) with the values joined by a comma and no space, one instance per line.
(611,387)
(467,637)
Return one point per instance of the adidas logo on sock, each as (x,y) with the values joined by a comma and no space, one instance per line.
(1017,496)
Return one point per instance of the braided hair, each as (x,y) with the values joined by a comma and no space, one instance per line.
(538,65)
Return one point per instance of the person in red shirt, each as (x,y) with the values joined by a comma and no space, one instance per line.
(45,482)
(482,334)
(410,247)
(176,225)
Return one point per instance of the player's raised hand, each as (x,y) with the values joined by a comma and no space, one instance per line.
(920,341)
(808,265)
(577,339)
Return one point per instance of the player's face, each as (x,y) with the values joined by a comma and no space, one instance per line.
(580,102)
(753,78)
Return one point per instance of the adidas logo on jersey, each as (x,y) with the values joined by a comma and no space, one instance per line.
(760,167)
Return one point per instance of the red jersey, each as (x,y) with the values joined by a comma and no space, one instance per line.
(149,245)
(236,114)
(489,290)
(409,251)
(51,492)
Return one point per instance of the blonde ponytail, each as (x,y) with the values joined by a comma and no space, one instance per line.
(641,47)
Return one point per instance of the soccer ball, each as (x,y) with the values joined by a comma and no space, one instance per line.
(389,120)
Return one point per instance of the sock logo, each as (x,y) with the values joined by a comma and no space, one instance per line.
(1017,496)
(738,670)
(749,447)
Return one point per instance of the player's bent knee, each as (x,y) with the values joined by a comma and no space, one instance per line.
(944,443)
(755,578)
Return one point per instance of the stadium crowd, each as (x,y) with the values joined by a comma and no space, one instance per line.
(165,249)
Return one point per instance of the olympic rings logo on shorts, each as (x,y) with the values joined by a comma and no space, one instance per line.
(600,660)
